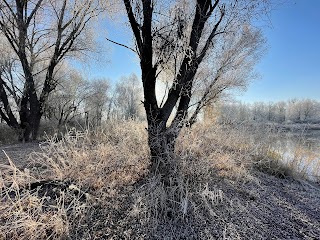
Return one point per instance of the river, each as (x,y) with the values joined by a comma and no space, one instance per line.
(301,150)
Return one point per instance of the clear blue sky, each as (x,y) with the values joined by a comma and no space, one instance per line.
(113,61)
(290,68)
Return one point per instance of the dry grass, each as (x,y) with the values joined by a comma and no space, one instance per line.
(296,161)
(116,154)
(214,148)
(27,214)
(305,161)
(90,180)
(73,175)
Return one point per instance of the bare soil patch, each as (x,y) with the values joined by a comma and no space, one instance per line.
(18,152)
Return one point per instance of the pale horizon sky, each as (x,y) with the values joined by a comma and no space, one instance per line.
(289,69)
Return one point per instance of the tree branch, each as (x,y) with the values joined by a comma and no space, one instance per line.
(122,45)
(134,25)
(33,12)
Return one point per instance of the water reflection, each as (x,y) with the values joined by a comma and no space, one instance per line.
(300,150)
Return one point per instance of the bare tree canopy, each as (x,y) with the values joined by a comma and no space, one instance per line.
(96,101)
(41,34)
(294,111)
(67,101)
(190,44)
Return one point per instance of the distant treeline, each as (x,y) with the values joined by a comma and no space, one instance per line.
(291,111)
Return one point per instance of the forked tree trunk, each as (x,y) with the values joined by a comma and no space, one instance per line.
(162,138)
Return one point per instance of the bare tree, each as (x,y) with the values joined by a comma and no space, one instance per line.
(42,34)
(95,103)
(280,111)
(67,100)
(294,110)
(127,97)
(175,42)
(308,107)
(8,90)
(228,69)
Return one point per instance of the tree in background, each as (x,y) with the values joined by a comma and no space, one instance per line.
(309,109)
(9,91)
(41,34)
(291,111)
(127,98)
(175,41)
(95,103)
(67,101)
(228,70)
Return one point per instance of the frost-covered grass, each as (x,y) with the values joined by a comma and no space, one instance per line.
(95,184)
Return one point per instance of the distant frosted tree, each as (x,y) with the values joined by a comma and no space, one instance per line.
(67,101)
(127,97)
(309,109)
(97,100)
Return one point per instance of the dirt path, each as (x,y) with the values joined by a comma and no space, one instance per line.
(271,208)
(18,153)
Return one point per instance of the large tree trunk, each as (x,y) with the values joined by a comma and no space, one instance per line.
(161,140)
(30,116)
(29,131)
(35,125)
(29,127)
(165,170)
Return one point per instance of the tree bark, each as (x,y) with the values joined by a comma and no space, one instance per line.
(161,142)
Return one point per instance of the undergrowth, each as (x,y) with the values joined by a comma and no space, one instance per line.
(83,185)
(51,198)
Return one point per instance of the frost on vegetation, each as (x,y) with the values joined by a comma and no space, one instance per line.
(215,196)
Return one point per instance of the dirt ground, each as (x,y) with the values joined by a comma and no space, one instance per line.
(268,208)
(18,153)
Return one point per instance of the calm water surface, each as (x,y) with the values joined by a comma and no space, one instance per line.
(302,150)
